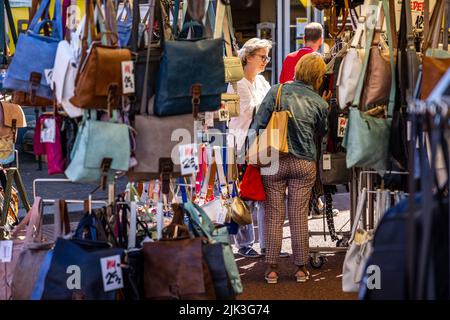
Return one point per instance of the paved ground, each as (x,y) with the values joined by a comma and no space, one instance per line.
(28,167)
(325,282)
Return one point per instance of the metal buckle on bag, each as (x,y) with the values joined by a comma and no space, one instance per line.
(196,92)
(165,169)
(35,80)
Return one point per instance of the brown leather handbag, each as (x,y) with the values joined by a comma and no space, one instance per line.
(433,70)
(378,79)
(175,269)
(99,78)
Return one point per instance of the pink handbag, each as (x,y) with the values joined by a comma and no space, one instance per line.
(47,141)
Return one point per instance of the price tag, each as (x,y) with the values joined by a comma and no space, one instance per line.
(111,273)
(48,130)
(188,159)
(209,119)
(224,115)
(127,77)
(342,124)
(221,215)
(6,247)
(327,162)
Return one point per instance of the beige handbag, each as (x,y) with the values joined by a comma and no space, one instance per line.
(274,139)
(233,69)
(230,102)
(378,78)
(224,23)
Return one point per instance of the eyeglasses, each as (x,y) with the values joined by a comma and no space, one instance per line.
(265,59)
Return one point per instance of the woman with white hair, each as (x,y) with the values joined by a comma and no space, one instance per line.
(252,89)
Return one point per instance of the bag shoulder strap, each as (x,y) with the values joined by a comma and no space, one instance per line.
(390,29)
(369,39)
(144,100)
(278,101)
(359,213)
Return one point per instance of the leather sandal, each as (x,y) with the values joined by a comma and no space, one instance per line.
(273,268)
(301,275)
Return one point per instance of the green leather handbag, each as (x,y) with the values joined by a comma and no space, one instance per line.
(215,235)
(99,145)
(367,138)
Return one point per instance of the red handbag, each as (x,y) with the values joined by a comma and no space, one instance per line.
(251,187)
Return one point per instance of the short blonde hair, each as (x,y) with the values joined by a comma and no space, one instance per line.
(251,46)
(310,68)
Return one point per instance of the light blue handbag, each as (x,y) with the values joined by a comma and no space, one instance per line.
(367,138)
(35,54)
(96,142)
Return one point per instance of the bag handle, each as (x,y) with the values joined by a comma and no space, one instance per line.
(57,27)
(159,15)
(359,212)
(369,40)
(426,172)
(41,12)
(144,102)
(133,225)
(409,29)
(224,190)
(210,15)
(210,178)
(224,24)
(195,212)
(61,225)
(126,8)
(278,101)
(390,29)
(446,25)
(334,20)
(34,228)
(431,38)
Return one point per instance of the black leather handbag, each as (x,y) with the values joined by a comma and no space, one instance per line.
(338,172)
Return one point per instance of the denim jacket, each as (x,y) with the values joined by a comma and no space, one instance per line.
(309,117)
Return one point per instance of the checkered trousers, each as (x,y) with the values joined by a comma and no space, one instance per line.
(298,176)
